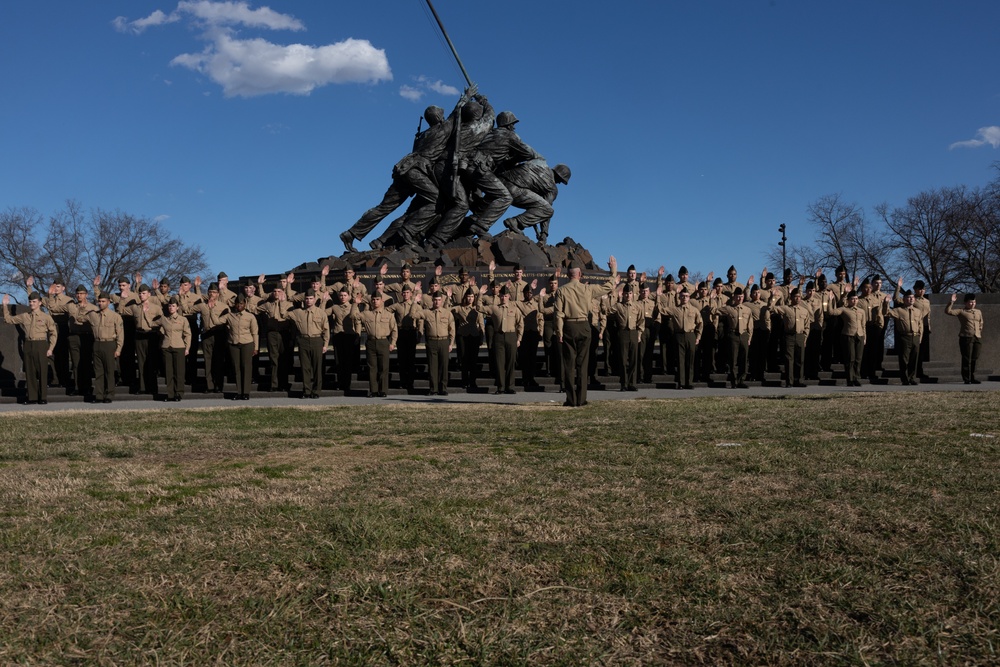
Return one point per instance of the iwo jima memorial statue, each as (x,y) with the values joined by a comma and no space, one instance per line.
(464,172)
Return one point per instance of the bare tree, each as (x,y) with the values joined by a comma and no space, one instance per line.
(20,253)
(79,246)
(921,233)
(974,227)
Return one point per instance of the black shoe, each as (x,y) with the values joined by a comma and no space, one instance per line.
(742,385)
(348,240)
(689,386)
(71,392)
(36,402)
(371,394)
(443,393)
(584,403)
(975,381)
(305,396)
(382,394)
(968,381)
(856,383)
(106,400)
(43,402)
(244,397)
(509,391)
(498,392)
(632,388)
(799,384)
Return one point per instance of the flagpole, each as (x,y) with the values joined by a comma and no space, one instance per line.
(444,32)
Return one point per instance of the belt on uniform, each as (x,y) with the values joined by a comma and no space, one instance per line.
(574,319)
(106,340)
(437,338)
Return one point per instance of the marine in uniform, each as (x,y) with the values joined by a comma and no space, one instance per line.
(737,322)
(109,337)
(381,334)
(553,355)
(909,327)
(650,332)
(81,343)
(970,335)
(147,341)
(175,337)
(243,336)
(213,312)
(853,326)
(796,320)
(346,331)
(438,325)
(40,336)
(574,321)
(527,352)
(468,337)
(630,320)
(280,338)
(508,328)
(313,326)
(687,326)
(407,313)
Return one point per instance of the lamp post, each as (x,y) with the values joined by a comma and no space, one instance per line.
(784,257)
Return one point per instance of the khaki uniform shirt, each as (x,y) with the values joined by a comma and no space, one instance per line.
(242,328)
(598,315)
(855,320)
(796,318)
(629,316)
(685,319)
(345,319)
(468,320)
(176,331)
(737,319)
(971,321)
(761,315)
(311,323)
(78,322)
(439,323)
(277,314)
(57,305)
(107,326)
(37,326)
(379,323)
(506,319)
(531,311)
(186,303)
(574,301)
(408,314)
(145,318)
(212,316)
(909,319)
(873,305)
(122,301)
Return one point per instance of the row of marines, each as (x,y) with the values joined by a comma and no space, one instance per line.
(740,326)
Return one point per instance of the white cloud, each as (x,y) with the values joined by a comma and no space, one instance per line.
(986,135)
(161,218)
(136,27)
(411,93)
(239,14)
(251,67)
(422,85)
(438,86)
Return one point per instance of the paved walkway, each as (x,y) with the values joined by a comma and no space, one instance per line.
(522,397)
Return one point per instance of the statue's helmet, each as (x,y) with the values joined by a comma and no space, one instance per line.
(506,119)
(472,111)
(562,173)
(434,115)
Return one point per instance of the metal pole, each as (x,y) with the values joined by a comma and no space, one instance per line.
(448,39)
(784,262)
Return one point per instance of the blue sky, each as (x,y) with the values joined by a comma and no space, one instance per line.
(692,128)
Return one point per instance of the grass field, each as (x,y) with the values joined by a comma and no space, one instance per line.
(854,529)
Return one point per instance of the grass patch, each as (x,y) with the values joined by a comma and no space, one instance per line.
(832,530)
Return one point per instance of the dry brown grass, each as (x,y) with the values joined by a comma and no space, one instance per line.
(618,534)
